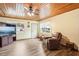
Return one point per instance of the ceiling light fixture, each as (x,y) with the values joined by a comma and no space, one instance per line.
(31,11)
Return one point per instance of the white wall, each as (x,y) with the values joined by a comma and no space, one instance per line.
(20,34)
(66,23)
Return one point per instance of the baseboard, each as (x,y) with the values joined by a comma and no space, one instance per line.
(22,39)
(25,39)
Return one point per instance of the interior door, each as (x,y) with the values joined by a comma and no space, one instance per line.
(34,30)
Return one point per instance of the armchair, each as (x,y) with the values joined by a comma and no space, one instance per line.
(54,42)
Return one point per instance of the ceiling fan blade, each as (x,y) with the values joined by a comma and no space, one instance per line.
(26,8)
(36,12)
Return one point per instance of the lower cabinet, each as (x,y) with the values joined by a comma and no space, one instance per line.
(10,40)
(5,40)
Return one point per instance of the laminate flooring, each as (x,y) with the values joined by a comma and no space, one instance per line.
(33,47)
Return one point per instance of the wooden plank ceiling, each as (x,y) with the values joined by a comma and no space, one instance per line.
(60,8)
(14,10)
(56,9)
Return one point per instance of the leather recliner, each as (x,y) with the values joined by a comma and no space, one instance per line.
(54,42)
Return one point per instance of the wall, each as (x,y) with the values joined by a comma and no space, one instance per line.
(26,33)
(66,23)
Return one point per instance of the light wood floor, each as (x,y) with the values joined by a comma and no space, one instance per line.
(32,47)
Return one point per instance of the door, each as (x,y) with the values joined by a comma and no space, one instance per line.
(34,30)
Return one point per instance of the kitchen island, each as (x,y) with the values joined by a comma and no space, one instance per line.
(5,39)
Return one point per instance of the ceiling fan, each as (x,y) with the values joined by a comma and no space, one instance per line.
(31,11)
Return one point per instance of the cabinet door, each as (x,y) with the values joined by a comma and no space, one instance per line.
(4,41)
(10,39)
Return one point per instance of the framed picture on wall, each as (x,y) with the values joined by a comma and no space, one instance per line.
(21,27)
